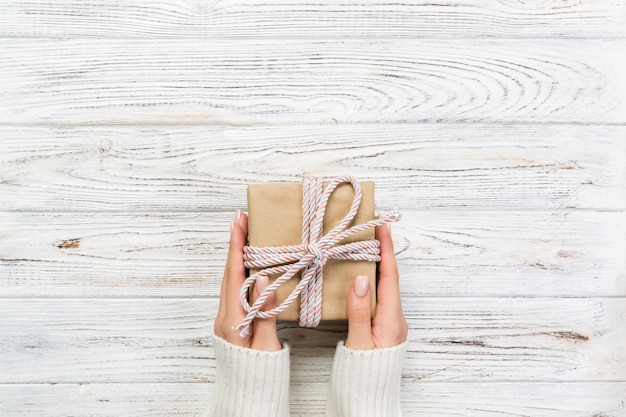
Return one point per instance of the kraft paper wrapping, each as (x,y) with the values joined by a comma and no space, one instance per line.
(275,219)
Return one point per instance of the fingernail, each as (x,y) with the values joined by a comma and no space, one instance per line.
(388,226)
(361,285)
(236,220)
(261,284)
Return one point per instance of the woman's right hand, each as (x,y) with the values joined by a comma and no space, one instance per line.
(389,327)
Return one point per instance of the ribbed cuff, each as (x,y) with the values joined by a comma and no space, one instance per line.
(366,383)
(250,383)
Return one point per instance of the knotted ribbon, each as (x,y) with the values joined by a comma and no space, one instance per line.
(311,255)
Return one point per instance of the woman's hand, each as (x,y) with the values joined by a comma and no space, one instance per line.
(262,335)
(388,328)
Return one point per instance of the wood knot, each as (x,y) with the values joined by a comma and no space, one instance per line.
(570,336)
(69,244)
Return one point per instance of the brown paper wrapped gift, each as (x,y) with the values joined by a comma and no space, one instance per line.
(275,219)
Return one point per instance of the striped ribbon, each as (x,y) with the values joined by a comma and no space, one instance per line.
(310,256)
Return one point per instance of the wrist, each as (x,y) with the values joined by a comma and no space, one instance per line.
(366,383)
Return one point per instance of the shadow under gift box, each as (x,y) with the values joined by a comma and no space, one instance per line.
(275,219)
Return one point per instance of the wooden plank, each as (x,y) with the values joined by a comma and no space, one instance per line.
(113,255)
(418,399)
(239,18)
(100,400)
(512,254)
(440,254)
(269,81)
(417,166)
(519,399)
(451,339)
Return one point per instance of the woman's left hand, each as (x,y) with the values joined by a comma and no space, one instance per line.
(262,334)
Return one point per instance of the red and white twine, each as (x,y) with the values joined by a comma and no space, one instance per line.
(310,256)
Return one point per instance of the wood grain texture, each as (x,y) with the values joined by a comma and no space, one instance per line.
(129,129)
(451,339)
(424,399)
(558,254)
(416,166)
(281,18)
(305,81)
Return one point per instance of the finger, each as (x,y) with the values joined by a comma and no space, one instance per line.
(231,272)
(265,336)
(243,222)
(235,271)
(230,312)
(359,315)
(389,325)
(389,282)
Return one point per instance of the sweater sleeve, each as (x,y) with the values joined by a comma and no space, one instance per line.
(366,383)
(250,383)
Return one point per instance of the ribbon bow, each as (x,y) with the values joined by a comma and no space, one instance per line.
(311,255)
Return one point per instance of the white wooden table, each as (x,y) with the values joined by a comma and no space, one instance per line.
(130,129)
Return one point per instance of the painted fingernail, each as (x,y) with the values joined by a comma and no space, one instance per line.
(260,285)
(361,286)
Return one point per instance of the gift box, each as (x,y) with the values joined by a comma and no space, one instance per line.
(275,219)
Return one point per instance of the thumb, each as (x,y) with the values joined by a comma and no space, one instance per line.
(360,315)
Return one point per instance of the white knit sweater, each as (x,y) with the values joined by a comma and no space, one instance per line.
(250,383)
(253,383)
